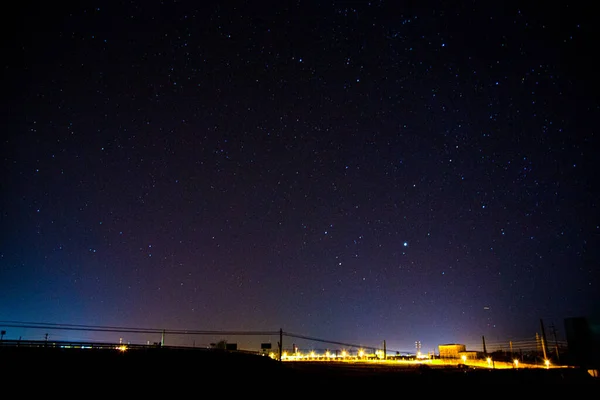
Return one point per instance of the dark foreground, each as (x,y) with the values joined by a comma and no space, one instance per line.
(159,370)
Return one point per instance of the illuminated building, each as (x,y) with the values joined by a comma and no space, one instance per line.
(451,350)
(470,355)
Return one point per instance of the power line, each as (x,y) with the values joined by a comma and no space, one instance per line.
(523,344)
(48,324)
(97,328)
(334,342)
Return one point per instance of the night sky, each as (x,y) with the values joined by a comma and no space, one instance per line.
(355,171)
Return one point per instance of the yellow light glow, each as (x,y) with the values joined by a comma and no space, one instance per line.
(489,360)
(361,353)
(327,355)
(312,354)
(464,358)
(344,354)
(122,348)
(516,363)
(547,362)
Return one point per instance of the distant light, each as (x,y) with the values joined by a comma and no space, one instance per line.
(547,362)
(516,363)
(405,244)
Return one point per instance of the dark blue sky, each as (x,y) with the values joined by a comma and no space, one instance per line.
(353,171)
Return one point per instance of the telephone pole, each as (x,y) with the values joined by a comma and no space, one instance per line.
(555,343)
(280,342)
(543,340)
(484,349)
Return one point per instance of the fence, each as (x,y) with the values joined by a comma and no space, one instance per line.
(265,342)
(262,342)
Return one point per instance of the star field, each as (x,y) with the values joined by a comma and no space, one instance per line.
(350,170)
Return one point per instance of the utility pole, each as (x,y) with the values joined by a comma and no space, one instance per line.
(543,340)
(555,343)
(484,349)
(162,339)
(384,351)
(511,349)
(280,342)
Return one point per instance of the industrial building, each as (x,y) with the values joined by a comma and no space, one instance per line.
(451,350)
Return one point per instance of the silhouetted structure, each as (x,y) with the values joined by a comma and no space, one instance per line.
(584,343)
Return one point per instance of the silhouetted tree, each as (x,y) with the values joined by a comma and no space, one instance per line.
(221,344)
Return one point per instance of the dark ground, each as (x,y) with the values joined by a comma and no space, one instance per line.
(160,371)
